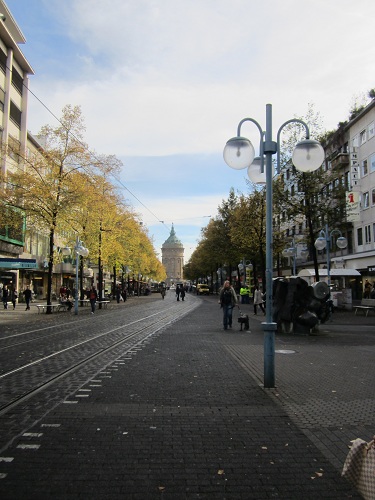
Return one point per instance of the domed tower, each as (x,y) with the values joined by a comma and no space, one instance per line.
(172,254)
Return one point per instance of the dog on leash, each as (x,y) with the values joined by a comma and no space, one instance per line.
(244,320)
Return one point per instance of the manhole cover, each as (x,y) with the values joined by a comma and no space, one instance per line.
(285,351)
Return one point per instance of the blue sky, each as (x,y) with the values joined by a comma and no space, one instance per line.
(163,84)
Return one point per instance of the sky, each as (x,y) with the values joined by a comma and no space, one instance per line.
(163,85)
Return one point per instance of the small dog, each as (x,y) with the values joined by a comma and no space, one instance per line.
(244,320)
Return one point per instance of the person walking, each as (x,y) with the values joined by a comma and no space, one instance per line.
(258,301)
(178,292)
(13,296)
(5,296)
(227,300)
(243,293)
(27,293)
(93,296)
(182,293)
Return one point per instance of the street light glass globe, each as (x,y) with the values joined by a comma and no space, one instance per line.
(254,171)
(320,243)
(308,155)
(239,153)
(342,242)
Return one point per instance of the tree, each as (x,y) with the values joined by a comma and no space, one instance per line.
(43,185)
(248,229)
(307,199)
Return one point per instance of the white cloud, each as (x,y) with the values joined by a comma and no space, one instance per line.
(160,78)
(174,77)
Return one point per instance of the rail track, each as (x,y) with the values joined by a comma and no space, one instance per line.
(41,363)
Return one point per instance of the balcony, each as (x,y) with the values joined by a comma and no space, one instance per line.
(341,160)
(64,267)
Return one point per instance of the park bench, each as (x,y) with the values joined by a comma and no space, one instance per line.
(366,306)
(54,307)
(104,303)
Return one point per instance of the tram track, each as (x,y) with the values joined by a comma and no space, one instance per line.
(42,376)
(62,328)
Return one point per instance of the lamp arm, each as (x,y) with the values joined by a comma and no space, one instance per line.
(293,120)
(261,146)
(335,231)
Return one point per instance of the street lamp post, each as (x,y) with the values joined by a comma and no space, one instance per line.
(79,250)
(325,241)
(239,153)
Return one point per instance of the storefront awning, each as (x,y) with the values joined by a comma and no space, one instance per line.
(305,273)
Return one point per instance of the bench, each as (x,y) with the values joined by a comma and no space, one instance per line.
(366,306)
(84,302)
(104,302)
(54,307)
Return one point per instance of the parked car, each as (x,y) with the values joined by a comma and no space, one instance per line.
(203,289)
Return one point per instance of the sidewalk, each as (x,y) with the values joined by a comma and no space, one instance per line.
(185,416)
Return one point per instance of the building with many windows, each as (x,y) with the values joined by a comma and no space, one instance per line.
(350,159)
(360,171)
(14,83)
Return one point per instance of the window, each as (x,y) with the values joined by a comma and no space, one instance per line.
(366,200)
(14,148)
(364,168)
(3,61)
(362,137)
(368,234)
(359,236)
(15,114)
(372,163)
(373,197)
(2,98)
(371,130)
(17,80)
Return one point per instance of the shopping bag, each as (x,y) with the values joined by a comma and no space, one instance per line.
(359,467)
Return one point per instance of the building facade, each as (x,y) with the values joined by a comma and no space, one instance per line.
(14,84)
(172,252)
(350,158)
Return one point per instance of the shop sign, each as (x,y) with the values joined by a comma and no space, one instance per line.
(18,264)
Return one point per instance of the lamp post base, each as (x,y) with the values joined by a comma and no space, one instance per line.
(269,354)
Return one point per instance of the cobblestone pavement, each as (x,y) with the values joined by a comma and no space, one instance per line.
(186,416)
